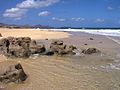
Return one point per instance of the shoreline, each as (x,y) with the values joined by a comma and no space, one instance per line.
(34,34)
(82,72)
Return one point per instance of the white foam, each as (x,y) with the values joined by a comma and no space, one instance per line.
(107,32)
(111,66)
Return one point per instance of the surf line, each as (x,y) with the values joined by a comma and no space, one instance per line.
(116,41)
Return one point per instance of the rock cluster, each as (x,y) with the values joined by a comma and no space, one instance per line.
(15,73)
(58,47)
(90,51)
(24,47)
(20,47)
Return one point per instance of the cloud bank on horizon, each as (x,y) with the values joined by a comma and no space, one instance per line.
(69,13)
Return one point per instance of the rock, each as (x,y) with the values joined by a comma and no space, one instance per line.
(18,51)
(57,42)
(85,44)
(0,35)
(49,53)
(59,48)
(90,51)
(46,39)
(21,47)
(91,39)
(14,74)
(4,42)
(41,48)
(36,49)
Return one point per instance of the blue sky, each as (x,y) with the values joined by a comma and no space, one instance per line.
(75,13)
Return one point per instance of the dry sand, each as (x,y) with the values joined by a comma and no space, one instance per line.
(33,33)
(84,72)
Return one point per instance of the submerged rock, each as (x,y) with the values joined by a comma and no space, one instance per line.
(14,74)
(90,51)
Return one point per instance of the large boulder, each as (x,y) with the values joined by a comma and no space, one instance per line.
(23,47)
(18,51)
(90,51)
(20,47)
(34,48)
(58,47)
(15,73)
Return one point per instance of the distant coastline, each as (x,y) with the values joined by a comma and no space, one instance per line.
(39,26)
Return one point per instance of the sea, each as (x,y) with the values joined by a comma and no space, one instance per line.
(107,32)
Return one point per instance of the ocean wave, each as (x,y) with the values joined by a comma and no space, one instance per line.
(107,32)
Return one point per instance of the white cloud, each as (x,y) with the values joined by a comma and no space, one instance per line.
(78,19)
(58,19)
(110,8)
(21,9)
(99,20)
(36,3)
(15,13)
(44,13)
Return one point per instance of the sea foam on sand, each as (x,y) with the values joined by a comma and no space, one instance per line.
(108,32)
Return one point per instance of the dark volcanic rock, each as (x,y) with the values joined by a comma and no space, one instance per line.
(85,44)
(20,47)
(59,48)
(34,48)
(57,42)
(91,39)
(90,51)
(23,47)
(14,74)
(18,51)
(49,53)
(0,35)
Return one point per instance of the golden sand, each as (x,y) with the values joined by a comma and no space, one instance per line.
(34,34)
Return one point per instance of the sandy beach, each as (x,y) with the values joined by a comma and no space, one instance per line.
(33,33)
(99,71)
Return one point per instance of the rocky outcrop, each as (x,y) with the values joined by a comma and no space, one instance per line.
(58,47)
(34,48)
(20,47)
(15,73)
(23,47)
(90,51)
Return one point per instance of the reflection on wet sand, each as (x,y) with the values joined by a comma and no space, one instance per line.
(68,73)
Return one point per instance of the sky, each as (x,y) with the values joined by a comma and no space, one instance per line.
(61,13)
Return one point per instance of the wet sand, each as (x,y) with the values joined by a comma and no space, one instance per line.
(82,72)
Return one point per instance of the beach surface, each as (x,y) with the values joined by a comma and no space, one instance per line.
(33,33)
(100,71)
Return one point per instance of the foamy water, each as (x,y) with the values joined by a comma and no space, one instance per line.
(107,32)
